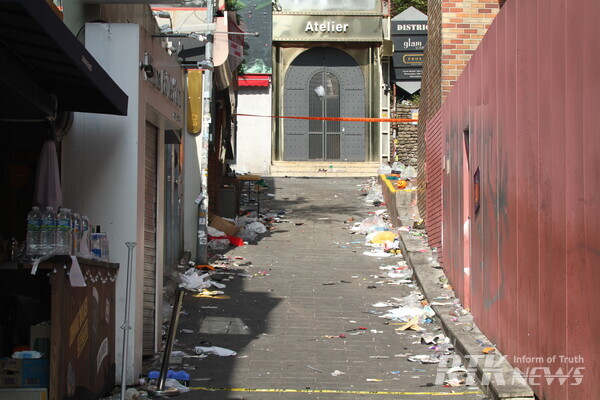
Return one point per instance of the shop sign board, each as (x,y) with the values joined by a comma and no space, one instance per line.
(330,28)
(409,35)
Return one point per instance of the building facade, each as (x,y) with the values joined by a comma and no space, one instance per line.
(120,171)
(327,63)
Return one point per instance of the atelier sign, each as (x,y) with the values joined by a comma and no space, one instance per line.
(329,26)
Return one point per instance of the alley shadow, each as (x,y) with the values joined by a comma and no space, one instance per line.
(232,321)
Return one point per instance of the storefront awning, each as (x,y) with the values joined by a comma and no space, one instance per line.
(44,67)
(257,80)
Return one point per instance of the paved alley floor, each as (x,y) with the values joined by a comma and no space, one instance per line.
(300,307)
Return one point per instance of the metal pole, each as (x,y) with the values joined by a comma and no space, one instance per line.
(126,327)
(170,338)
(202,243)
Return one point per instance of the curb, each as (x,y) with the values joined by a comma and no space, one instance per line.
(496,377)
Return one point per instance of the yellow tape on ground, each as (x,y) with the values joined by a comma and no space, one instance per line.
(336,391)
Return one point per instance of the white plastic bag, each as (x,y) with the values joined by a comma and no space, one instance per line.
(256,227)
(385,169)
(191,280)
(372,224)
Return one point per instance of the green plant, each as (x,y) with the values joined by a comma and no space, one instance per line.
(397,6)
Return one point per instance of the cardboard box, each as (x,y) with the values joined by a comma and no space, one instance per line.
(24,394)
(39,338)
(24,373)
(229,228)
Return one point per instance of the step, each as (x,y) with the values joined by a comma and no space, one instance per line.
(323,169)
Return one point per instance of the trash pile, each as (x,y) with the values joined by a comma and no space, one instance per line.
(412,314)
(226,232)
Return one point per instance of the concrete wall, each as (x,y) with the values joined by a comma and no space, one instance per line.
(253,146)
(528,99)
(103,166)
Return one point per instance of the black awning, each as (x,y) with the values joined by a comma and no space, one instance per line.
(41,59)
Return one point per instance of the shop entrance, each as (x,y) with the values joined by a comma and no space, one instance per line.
(324,82)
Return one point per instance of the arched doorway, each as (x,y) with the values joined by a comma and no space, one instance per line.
(324,82)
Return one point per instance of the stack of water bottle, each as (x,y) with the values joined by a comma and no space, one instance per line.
(50,233)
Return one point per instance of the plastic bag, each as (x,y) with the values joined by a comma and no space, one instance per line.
(219,244)
(256,227)
(398,167)
(405,314)
(384,169)
(374,195)
(383,237)
(409,173)
(371,224)
(401,274)
(191,280)
(214,232)
(247,235)
(244,220)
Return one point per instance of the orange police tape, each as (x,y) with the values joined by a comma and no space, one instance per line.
(334,118)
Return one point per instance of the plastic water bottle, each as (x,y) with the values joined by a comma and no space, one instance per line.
(34,228)
(96,249)
(104,246)
(76,233)
(63,231)
(48,231)
(86,236)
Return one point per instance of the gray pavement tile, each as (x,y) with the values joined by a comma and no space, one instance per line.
(289,311)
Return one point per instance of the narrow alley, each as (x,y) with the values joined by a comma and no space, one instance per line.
(298,309)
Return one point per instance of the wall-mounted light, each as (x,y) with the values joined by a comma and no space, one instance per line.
(147,67)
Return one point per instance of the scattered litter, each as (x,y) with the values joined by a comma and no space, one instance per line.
(193,281)
(380,357)
(433,339)
(179,353)
(219,351)
(337,373)
(412,324)
(454,382)
(314,369)
(489,350)
(424,359)
(374,380)
(333,336)
(174,383)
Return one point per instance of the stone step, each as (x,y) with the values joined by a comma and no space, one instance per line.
(323,169)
